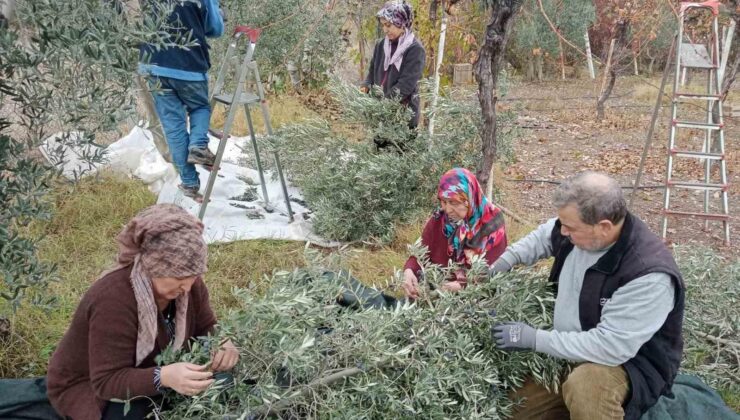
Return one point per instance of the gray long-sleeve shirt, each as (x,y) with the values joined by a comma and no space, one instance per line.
(629,319)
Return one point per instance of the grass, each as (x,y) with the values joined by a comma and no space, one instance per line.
(282,109)
(80,239)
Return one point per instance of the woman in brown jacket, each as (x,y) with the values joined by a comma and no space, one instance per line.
(155,297)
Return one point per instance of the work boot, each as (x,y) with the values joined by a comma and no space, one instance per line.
(201,156)
(192,192)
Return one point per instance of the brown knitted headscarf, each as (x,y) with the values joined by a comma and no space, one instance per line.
(168,240)
(161,241)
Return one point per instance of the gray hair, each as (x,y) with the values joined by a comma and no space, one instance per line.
(596,196)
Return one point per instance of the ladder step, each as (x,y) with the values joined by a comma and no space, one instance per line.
(695,56)
(708,216)
(703,126)
(244,98)
(698,185)
(697,96)
(698,155)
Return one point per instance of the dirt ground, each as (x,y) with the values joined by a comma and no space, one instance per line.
(560,136)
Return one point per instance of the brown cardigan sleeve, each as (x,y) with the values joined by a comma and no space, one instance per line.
(205,321)
(112,337)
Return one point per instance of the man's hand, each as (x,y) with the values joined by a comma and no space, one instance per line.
(364,89)
(186,378)
(500,266)
(225,358)
(515,336)
(410,284)
(451,286)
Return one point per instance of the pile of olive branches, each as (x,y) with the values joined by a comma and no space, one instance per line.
(712,318)
(303,355)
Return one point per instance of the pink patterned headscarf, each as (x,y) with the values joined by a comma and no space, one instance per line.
(482,227)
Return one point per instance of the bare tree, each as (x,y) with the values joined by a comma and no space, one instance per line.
(620,42)
(490,58)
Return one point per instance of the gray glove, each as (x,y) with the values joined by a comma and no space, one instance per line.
(500,266)
(515,336)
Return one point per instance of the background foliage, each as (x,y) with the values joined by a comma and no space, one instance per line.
(305,33)
(70,76)
(360,194)
(533,39)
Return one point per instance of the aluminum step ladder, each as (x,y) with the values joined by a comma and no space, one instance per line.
(706,58)
(244,41)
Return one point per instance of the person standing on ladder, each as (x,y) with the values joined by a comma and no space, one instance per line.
(178,78)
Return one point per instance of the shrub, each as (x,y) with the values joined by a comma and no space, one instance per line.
(70,75)
(360,194)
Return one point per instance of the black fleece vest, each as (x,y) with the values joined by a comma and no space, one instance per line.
(188,20)
(636,253)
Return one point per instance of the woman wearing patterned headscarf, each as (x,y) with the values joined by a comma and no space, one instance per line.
(154,298)
(398,59)
(465,225)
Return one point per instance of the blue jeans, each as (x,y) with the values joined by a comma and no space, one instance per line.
(175,100)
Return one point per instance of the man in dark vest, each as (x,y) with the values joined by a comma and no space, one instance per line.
(178,78)
(618,310)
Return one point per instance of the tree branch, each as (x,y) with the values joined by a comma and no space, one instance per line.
(718,340)
(555,30)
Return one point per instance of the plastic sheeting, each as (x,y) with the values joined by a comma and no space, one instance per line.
(237,210)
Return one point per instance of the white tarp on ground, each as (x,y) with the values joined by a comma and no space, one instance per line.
(236,210)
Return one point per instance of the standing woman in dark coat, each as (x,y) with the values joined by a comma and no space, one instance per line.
(398,59)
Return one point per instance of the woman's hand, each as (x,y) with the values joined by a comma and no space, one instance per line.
(451,286)
(410,284)
(186,378)
(226,357)
(364,89)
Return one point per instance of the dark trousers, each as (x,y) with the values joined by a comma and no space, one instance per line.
(139,409)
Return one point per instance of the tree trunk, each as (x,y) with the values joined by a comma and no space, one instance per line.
(634,64)
(539,64)
(361,39)
(562,59)
(529,77)
(605,94)
(7,10)
(490,58)
(731,71)
(728,79)
(620,37)
(589,59)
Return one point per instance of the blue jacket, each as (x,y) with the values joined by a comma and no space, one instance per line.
(196,19)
